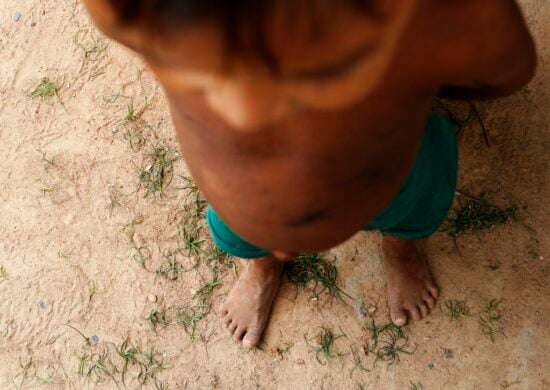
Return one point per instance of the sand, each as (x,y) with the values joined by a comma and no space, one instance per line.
(70,189)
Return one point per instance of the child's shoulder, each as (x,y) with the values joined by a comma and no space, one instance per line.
(480,42)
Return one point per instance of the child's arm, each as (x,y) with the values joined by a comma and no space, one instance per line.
(496,54)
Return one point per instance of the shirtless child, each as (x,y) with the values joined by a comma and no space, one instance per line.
(305,121)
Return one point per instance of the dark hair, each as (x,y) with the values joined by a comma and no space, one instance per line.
(241,21)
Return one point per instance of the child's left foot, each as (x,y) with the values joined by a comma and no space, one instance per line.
(246,311)
(411,289)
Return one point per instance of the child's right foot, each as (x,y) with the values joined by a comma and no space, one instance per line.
(246,311)
(411,289)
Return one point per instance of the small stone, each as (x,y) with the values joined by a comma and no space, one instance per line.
(17,16)
(42,304)
(94,339)
(152,298)
(300,362)
(431,365)
(372,309)
(362,309)
(33,24)
(68,219)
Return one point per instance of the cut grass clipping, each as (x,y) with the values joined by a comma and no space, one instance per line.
(135,127)
(315,273)
(156,317)
(357,361)
(191,239)
(477,214)
(194,203)
(156,175)
(190,319)
(388,342)
(129,360)
(489,319)
(324,345)
(205,291)
(140,254)
(44,90)
(91,47)
(171,268)
(128,354)
(456,309)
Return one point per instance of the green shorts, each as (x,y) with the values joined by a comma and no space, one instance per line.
(416,212)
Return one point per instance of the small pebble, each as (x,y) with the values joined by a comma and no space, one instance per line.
(42,304)
(152,298)
(431,365)
(362,309)
(372,309)
(17,16)
(33,24)
(300,362)
(68,219)
(94,339)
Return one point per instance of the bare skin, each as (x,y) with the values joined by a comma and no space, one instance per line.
(411,289)
(412,292)
(275,135)
(246,311)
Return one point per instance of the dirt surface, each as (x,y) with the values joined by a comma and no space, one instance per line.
(82,245)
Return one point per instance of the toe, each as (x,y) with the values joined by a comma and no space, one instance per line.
(434,291)
(252,337)
(424,311)
(415,313)
(398,316)
(239,333)
(232,327)
(430,301)
(227,321)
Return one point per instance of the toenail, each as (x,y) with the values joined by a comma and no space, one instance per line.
(400,320)
(239,334)
(415,314)
(423,310)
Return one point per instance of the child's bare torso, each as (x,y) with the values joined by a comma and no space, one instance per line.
(313,179)
(302,179)
(294,185)
(310,180)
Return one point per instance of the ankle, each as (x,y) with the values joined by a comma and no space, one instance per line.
(392,242)
(395,248)
(265,266)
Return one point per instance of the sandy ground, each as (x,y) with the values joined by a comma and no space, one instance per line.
(71,200)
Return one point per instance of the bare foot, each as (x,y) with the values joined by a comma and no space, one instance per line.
(411,289)
(246,311)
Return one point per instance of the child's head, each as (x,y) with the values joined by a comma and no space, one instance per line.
(257,61)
